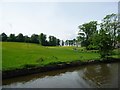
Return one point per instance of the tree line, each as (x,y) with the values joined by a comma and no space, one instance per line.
(70,42)
(35,38)
(105,38)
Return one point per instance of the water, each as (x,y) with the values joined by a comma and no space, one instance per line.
(89,76)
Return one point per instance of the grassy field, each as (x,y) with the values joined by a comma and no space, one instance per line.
(18,55)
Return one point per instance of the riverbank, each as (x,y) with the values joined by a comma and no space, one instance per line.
(23,55)
(26,58)
(32,70)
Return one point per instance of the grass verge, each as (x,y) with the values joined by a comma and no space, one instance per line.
(25,55)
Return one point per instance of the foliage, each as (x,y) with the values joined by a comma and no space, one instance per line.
(38,39)
(42,39)
(105,44)
(58,42)
(110,25)
(34,38)
(11,38)
(92,47)
(53,41)
(27,39)
(20,38)
(70,42)
(86,31)
(3,36)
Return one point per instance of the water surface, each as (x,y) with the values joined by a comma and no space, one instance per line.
(88,76)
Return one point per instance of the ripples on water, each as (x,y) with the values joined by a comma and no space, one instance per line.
(89,76)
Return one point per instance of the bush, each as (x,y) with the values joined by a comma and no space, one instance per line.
(105,44)
(92,47)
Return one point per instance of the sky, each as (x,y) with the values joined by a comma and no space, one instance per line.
(60,19)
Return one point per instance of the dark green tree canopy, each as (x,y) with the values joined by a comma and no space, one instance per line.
(111,25)
(53,41)
(42,39)
(38,39)
(34,38)
(20,37)
(3,36)
(103,39)
(105,44)
(26,39)
(88,28)
(86,32)
(11,38)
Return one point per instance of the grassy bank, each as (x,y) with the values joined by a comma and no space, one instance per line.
(22,55)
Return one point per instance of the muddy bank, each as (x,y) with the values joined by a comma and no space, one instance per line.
(61,65)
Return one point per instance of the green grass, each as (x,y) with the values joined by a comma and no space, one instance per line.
(20,55)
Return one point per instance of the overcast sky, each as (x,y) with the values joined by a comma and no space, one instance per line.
(60,19)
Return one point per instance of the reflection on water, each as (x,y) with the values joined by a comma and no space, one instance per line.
(102,75)
(95,75)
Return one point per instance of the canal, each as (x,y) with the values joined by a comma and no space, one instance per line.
(88,76)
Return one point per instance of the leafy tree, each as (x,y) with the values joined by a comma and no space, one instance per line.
(11,38)
(110,25)
(118,38)
(86,31)
(62,43)
(105,44)
(34,38)
(3,36)
(67,42)
(26,39)
(81,39)
(70,42)
(52,41)
(74,41)
(42,39)
(57,42)
(94,41)
(20,37)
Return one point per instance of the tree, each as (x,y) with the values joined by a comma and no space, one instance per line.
(70,42)
(74,42)
(110,24)
(52,41)
(26,39)
(62,43)
(11,38)
(3,36)
(118,38)
(57,42)
(20,38)
(42,39)
(34,38)
(67,42)
(81,39)
(86,31)
(94,41)
(105,43)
